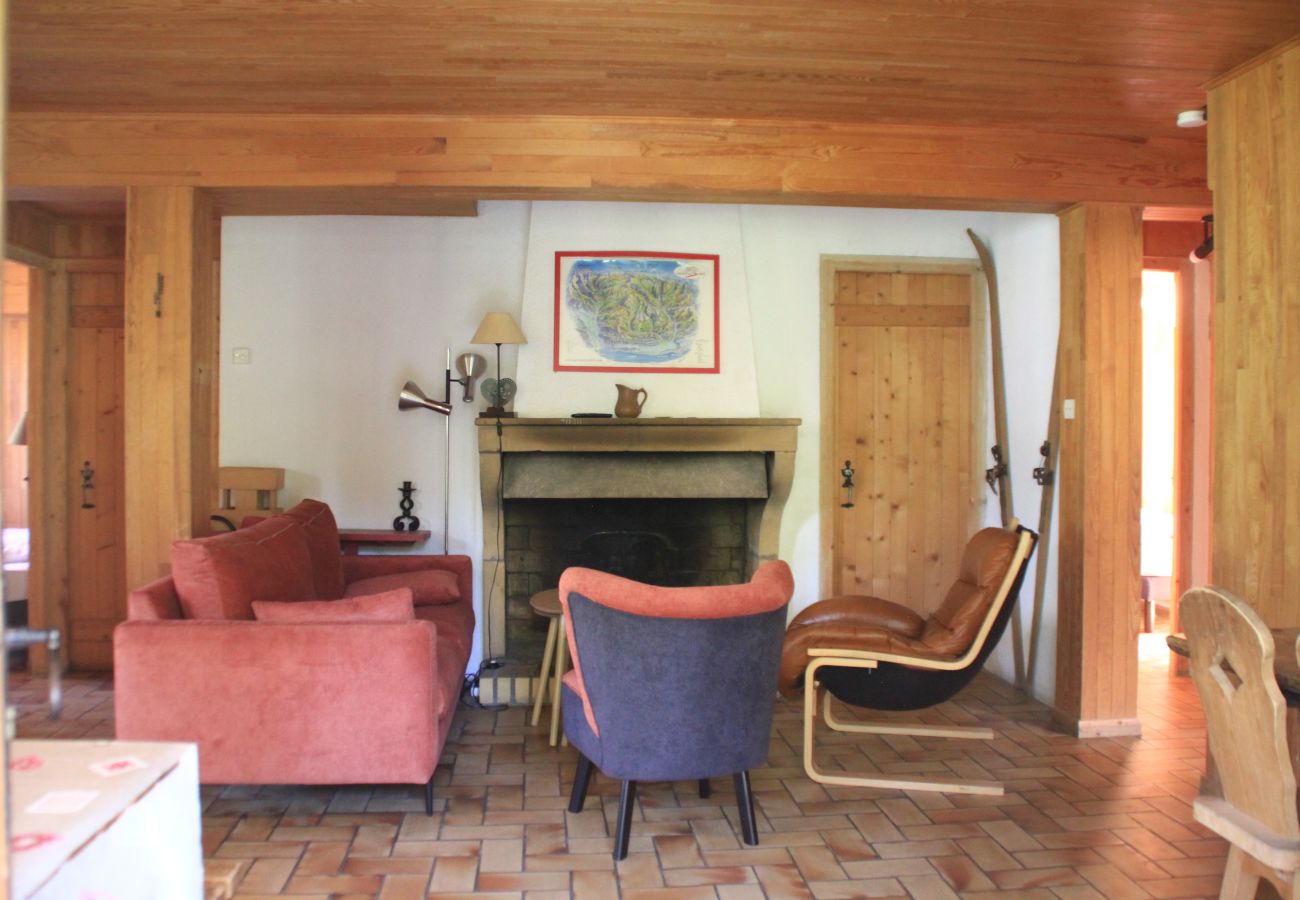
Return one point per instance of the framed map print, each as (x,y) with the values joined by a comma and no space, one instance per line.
(621,311)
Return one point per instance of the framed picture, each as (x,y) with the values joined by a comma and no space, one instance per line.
(622,311)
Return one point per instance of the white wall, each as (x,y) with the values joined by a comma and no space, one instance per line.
(676,228)
(340,311)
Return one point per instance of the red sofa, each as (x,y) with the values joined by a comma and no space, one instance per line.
(235,651)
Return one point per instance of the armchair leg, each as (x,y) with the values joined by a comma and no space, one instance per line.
(581,779)
(706,789)
(626,803)
(745,799)
(428,796)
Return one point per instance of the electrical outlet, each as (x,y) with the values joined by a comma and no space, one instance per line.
(1067,409)
(242,356)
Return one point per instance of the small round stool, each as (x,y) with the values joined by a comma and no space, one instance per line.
(547,603)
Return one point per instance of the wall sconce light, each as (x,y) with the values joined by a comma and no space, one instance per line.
(1206,246)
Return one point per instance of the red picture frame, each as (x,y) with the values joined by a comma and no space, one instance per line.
(637,311)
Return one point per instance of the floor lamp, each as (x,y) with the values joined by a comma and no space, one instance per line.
(412,397)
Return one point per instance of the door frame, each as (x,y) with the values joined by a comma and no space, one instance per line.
(831,266)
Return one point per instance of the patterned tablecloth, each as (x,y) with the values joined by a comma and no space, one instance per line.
(108,820)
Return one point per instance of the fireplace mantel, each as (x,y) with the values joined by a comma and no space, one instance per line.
(772,439)
(667,435)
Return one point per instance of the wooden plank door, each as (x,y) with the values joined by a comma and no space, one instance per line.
(904,406)
(96,553)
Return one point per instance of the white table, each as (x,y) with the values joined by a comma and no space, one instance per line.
(105,819)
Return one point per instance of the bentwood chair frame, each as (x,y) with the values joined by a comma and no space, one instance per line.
(815,695)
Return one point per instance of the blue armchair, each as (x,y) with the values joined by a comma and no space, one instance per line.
(670,684)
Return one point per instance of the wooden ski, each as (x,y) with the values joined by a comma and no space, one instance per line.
(999,474)
(1046,476)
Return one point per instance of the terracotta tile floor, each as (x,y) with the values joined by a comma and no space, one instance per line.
(1080,819)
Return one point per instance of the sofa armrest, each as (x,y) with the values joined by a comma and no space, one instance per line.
(357,567)
(156,600)
(307,704)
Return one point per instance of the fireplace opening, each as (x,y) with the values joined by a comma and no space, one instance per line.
(666,542)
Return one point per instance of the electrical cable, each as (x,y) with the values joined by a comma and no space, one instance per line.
(470,691)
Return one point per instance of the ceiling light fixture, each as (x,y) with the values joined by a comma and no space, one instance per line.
(1193,118)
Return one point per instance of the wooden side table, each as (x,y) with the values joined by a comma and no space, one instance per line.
(547,603)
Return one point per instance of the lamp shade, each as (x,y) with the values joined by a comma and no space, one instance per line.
(412,397)
(498,328)
(18,437)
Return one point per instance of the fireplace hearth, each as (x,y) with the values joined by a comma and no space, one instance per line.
(665,501)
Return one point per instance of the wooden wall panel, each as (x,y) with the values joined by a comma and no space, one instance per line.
(1255,173)
(170,334)
(563,157)
(1100,470)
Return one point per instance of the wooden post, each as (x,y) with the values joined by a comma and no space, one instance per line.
(1100,470)
(171,340)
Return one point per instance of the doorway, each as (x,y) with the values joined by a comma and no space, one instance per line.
(13,431)
(74,396)
(1177,307)
(1159,521)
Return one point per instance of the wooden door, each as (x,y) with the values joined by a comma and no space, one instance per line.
(96,554)
(905,407)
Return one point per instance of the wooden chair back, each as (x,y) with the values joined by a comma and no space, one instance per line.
(1245,713)
(248,491)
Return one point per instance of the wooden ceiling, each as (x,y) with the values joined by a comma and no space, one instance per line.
(996,104)
(1113,67)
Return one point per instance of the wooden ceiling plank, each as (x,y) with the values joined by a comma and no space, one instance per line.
(1095,66)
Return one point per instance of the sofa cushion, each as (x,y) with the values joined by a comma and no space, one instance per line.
(390,606)
(431,587)
(323,545)
(219,577)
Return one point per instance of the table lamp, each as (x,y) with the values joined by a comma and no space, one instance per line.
(498,328)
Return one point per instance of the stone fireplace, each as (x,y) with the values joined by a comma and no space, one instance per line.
(668,501)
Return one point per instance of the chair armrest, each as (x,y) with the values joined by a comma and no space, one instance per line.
(268,703)
(357,567)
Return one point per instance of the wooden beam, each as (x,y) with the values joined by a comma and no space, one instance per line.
(566,157)
(341,201)
(1100,470)
(171,322)
(1255,165)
